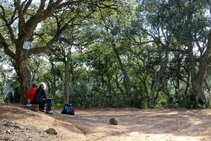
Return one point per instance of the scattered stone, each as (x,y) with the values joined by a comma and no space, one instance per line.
(8,131)
(9,124)
(34,107)
(51,131)
(17,127)
(42,136)
(12,124)
(114,121)
(6,139)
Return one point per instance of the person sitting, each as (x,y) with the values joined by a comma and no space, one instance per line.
(41,99)
(31,94)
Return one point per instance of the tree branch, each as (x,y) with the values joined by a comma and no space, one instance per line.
(68,3)
(27,6)
(85,43)
(141,43)
(6,48)
(205,60)
(8,25)
(171,49)
(44,48)
(21,23)
(42,5)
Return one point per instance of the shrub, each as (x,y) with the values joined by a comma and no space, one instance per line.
(189,101)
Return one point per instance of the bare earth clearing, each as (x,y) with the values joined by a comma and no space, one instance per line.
(93,124)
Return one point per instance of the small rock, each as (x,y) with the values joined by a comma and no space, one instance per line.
(9,124)
(114,121)
(18,127)
(8,131)
(6,139)
(51,131)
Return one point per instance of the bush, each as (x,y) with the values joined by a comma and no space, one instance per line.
(12,98)
(189,101)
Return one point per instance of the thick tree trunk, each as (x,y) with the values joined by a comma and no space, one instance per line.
(197,76)
(24,79)
(197,88)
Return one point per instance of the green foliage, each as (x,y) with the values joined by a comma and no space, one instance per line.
(84,95)
(57,104)
(8,98)
(12,91)
(58,99)
(16,96)
(188,101)
(13,97)
(139,99)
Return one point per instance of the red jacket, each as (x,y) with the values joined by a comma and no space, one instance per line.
(30,94)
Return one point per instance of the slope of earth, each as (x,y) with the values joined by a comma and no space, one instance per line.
(93,124)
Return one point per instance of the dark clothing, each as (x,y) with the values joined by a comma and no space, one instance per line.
(39,95)
(42,104)
(38,99)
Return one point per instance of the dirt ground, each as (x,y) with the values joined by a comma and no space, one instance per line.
(93,124)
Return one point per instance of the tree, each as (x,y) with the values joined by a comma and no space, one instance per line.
(19,23)
(113,27)
(187,23)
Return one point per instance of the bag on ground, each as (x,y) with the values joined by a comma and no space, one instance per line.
(68,109)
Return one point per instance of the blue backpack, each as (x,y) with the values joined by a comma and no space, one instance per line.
(68,109)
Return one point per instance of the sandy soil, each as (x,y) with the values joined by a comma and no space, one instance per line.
(93,124)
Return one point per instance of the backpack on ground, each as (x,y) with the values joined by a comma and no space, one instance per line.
(68,109)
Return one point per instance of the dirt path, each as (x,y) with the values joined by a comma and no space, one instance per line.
(93,124)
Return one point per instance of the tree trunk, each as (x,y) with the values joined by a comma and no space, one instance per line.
(154,86)
(118,86)
(24,79)
(157,76)
(54,79)
(197,76)
(109,84)
(128,84)
(197,88)
(67,79)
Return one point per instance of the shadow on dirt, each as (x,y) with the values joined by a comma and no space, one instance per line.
(94,123)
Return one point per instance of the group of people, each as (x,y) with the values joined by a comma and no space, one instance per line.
(37,95)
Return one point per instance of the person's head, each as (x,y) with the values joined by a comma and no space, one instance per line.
(42,85)
(34,86)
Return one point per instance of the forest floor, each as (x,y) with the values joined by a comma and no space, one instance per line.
(93,124)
